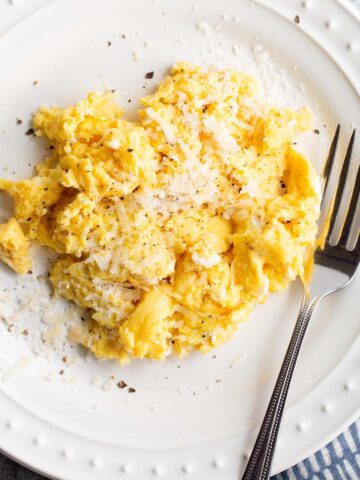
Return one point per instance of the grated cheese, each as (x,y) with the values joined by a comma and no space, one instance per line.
(114,144)
(205,28)
(206,262)
(137,56)
(96,380)
(165,126)
(221,134)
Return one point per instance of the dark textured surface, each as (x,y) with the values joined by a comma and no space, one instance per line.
(10,470)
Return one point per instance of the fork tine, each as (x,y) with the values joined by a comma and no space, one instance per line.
(324,219)
(350,214)
(341,185)
(357,247)
(330,160)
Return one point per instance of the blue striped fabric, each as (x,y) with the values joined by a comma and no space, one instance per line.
(339,460)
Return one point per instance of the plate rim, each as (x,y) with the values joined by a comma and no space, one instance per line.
(353,11)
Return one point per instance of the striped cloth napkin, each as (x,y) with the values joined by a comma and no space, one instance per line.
(340,459)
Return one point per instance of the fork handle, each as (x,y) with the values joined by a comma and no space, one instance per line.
(259,464)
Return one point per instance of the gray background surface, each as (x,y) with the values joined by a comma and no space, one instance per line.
(10,470)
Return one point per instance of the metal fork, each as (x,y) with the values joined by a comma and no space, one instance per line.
(341,264)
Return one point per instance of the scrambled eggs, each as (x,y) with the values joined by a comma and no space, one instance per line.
(169,230)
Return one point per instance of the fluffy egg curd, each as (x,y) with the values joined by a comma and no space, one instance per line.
(169,230)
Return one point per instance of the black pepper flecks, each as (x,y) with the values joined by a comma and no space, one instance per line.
(316,131)
(297,19)
(29,132)
(122,384)
(131,390)
(109,44)
(149,75)
(19,121)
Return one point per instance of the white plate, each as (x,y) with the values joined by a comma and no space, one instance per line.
(181,422)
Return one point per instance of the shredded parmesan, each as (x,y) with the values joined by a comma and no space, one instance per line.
(163,124)
(221,134)
(114,144)
(205,28)
(206,262)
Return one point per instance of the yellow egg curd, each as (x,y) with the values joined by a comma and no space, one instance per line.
(171,229)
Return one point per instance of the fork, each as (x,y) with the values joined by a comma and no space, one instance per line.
(341,263)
